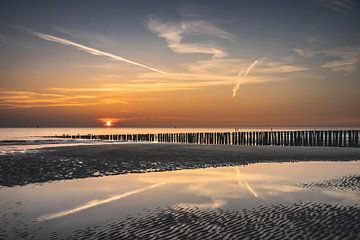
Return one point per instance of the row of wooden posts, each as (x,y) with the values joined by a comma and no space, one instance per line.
(334,138)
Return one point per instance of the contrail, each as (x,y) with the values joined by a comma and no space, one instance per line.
(90,50)
(95,203)
(251,67)
(237,84)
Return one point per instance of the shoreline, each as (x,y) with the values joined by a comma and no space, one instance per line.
(82,161)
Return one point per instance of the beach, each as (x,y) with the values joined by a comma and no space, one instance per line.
(95,189)
(72,162)
(298,221)
(109,190)
(295,197)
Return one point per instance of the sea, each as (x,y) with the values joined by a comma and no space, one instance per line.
(21,140)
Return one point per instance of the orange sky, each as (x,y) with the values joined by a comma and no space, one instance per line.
(149,68)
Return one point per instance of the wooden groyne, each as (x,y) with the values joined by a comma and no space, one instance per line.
(326,138)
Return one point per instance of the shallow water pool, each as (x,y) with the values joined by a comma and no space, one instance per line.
(63,208)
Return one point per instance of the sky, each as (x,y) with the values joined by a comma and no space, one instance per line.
(165,63)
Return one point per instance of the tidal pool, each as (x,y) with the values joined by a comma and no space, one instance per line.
(65,208)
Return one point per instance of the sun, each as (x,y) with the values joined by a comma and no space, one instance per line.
(109,122)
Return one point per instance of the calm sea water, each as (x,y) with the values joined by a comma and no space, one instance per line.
(13,140)
(21,140)
(38,133)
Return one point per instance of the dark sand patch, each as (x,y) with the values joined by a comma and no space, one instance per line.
(98,160)
(345,183)
(298,221)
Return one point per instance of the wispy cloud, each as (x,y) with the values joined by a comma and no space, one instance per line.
(344,59)
(280,68)
(107,94)
(217,66)
(341,6)
(304,52)
(174,34)
(197,81)
(202,74)
(91,50)
(31,99)
(216,71)
(345,65)
(242,74)
(347,60)
(205,28)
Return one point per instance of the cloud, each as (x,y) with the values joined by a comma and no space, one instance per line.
(304,52)
(341,6)
(237,84)
(174,34)
(91,50)
(278,69)
(107,94)
(31,99)
(205,28)
(346,65)
(196,81)
(217,66)
(197,48)
(213,72)
(344,59)
(117,90)
(251,67)
(347,59)
(230,66)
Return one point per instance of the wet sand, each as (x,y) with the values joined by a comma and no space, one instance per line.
(298,221)
(257,201)
(345,183)
(73,162)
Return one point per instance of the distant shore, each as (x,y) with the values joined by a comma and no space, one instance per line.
(74,162)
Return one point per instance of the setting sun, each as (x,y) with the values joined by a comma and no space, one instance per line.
(109,122)
(168,119)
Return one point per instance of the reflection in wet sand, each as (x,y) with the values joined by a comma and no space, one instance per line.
(214,203)
(243,181)
(237,201)
(96,203)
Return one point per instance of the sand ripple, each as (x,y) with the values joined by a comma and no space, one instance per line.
(345,183)
(298,221)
